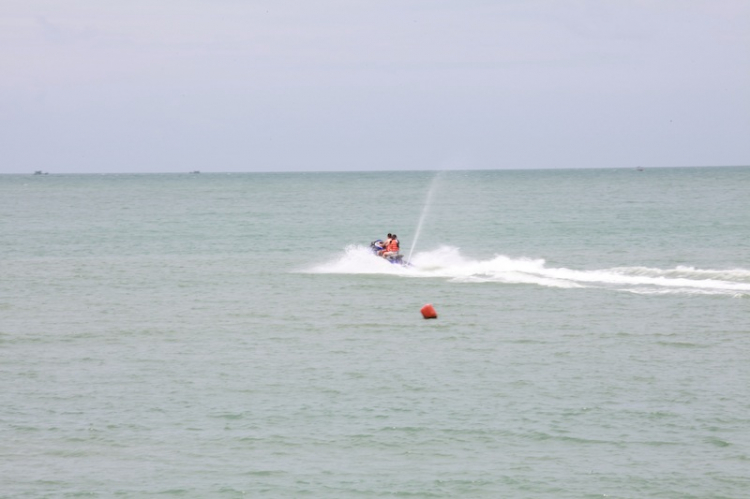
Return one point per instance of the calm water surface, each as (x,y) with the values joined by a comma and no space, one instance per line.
(228,335)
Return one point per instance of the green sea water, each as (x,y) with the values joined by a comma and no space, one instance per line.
(230,335)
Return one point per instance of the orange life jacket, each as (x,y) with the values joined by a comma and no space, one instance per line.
(393,246)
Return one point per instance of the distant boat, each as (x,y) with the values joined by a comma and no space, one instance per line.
(195,171)
(640,168)
(40,172)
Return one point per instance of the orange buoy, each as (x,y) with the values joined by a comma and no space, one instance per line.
(428,312)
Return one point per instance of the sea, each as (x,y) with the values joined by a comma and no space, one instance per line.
(231,334)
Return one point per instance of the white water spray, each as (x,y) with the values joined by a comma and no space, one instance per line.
(426,208)
(447,262)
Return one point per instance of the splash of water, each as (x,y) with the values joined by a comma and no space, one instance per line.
(448,263)
(425,209)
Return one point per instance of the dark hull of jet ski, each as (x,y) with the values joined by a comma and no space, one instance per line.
(395,259)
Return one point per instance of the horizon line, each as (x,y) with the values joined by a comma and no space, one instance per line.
(196,172)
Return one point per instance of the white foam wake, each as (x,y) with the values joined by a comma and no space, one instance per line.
(447,262)
(357,260)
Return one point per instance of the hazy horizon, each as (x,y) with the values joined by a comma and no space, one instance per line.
(238,172)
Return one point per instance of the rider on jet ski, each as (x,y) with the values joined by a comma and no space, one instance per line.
(379,247)
(391,246)
(388,248)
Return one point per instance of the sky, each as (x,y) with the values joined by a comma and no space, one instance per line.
(240,86)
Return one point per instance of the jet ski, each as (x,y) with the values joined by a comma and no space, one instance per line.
(378,245)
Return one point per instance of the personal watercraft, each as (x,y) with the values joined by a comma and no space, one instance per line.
(378,246)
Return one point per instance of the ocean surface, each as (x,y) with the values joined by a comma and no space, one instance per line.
(230,335)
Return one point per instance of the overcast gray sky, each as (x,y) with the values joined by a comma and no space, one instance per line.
(230,85)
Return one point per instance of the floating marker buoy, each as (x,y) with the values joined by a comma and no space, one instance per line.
(428,312)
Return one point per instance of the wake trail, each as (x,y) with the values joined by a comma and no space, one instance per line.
(447,263)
